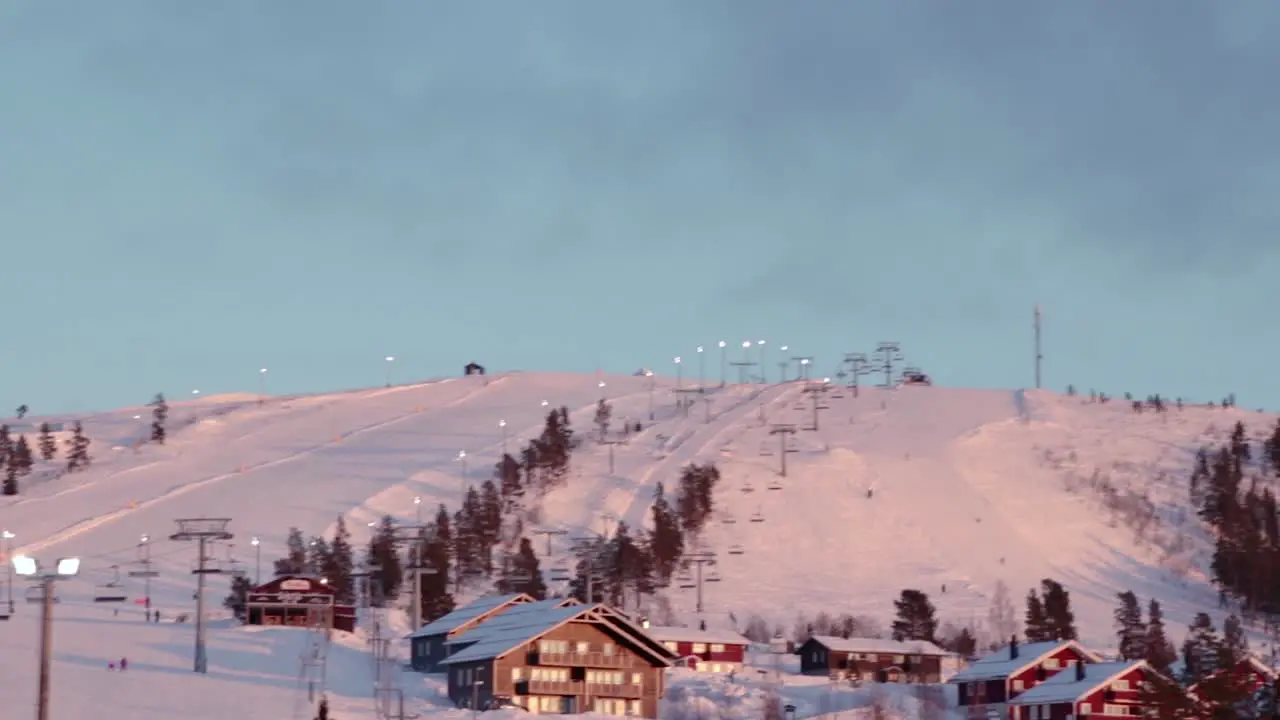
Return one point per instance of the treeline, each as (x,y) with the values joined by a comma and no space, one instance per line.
(1228,494)
(1154,402)
(18,459)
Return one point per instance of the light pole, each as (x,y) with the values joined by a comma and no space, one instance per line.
(195,393)
(462,458)
(724,361)
(6,539)
(262,385)
(702,368)
(783,364)
(679,372)
(502,425)
(65,568)
(257,560)
(649,374)
(601,386)
(390,359)
(763,367)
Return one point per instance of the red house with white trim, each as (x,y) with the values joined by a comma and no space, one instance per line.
(1249,675)
(987,687)
(705,650)
(1109,688)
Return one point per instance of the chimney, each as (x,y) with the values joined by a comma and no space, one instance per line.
(1080,671)
(1013,647)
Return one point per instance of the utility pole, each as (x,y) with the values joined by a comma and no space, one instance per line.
(858,366)
(698,559)
(783,430)
(6,544)
(1039,355)
(144,559)
(724,355)
(202,530)
(815,391)
(888,353)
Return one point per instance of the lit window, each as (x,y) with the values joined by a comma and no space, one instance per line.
(634,708)
(898,659)
(608,648)
(1019,685)
(672,646)
(699,647)
(583,647)
(637,679)
(1052,664)
(717,647)
(517,674)
(1120,685)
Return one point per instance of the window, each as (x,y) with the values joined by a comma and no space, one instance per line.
(715,667)
(517,674)
(701,667)
(634,708)
(553,646)
(1120,685)
(815,656)
(543,674)
(637,679)
(699,648)
(672,646)
(607,648)
(1035,712)
(1019,685)
(897,659)
(1052,664)
(717,647)
(915,658)
(1110,709)
(548,703)
(583,648)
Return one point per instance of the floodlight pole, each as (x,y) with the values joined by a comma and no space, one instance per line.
(46,644)
(6,542)
(202,530)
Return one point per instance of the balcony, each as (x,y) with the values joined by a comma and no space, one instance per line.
(588,659)
(579,688)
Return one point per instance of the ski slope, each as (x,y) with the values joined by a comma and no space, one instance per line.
(968,488)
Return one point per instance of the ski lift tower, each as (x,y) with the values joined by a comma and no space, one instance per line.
(816,392)
(698,559)
(783,431)
(859,366)
(886,354)
(202,531)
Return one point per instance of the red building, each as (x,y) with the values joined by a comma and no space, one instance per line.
(1250,675)
(1110,688)
(987,687)
(299,601)
(704,650)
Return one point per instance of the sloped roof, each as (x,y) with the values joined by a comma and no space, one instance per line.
(1066,687)
(695,635)
(506,633)
(1251,660)
(999,664)
(878,645)
(510,615)
(520,625)
(475,609)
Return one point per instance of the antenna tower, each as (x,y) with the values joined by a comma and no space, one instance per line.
(1039,355)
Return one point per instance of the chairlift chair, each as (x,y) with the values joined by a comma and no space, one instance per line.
(559,574)
(757,517)
(685,582)
(775,485)
(736,549)
(746,487)
(766,449)
(110,591)
(713,576)
(728,520)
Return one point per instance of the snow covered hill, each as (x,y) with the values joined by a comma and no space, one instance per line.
(918,487)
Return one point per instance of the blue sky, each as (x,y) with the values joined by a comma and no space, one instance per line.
(191,191)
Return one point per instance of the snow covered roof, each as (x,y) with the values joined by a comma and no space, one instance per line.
(475,609)
(1067,686)
(695,635)
(507,617)
(1251,661)
(1000,664)
(878,645)
(506,633)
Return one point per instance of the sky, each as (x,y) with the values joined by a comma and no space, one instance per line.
(190,192)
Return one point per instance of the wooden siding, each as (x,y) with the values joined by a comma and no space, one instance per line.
(1128,693)
(818,659)
(1033,675)
(577,664)
(732,653)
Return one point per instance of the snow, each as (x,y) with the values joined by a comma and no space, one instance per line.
(968,488)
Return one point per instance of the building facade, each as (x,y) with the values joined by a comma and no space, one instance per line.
(428,645)
(298,601)
(872,659)
(568,659)
(704,650)
(985,688)
(1086,689)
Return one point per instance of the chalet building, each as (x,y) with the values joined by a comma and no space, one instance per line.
(298,601)
(473,369)
(985,688)
(704,650)
(1108,688)
(566,659)
(427,644)
(872,660)
(1250,674)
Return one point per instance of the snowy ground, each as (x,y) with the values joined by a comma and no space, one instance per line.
(970,487)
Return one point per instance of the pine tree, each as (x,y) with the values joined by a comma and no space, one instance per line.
(295,560)
(1060,621)
(916,617)
(437,551)
(6,443)
(22,457)
(1235,646)
(526,573)
(239,596)
(490,513)
(1160,653)
(48,446)
(322,712)
(317,556)
(388,575)
(666,540)
(604,414)
(510,488)
(1036,622)
(1130,630)
(1201,650)
(339,564)
(10,484)
(78,449)
(589,572)
(159,419)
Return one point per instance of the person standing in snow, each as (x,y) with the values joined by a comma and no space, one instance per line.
(124,664)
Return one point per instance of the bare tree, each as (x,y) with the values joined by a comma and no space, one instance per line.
(933,702)
(1002,618)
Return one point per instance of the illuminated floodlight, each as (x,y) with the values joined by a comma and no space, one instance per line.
(25,566)
(68,567)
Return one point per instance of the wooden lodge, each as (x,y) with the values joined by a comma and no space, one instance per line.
(872,659)
(298,601)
